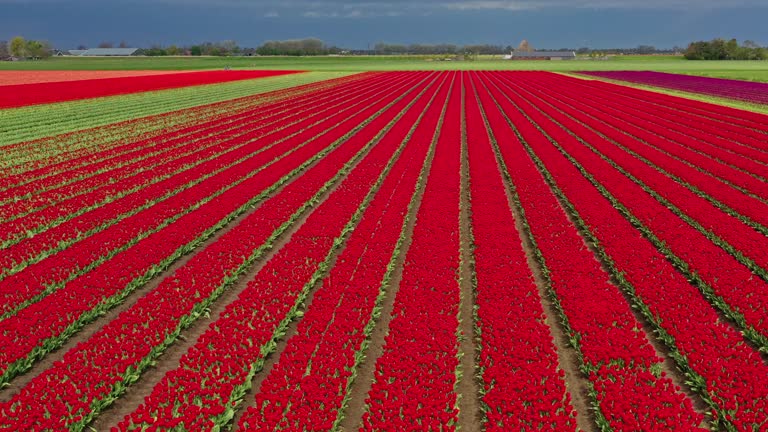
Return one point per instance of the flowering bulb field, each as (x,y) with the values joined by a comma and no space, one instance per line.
(47,91)
(753,92)
(397,251)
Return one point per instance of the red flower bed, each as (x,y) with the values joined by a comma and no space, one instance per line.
(98,209)
(604,331)
(81,295)
(45,76)
(509,304)
(329,338)
(218,368)
(709,261)
(416,374)
(240,157)
(97,367)
(712,349)
(19,95)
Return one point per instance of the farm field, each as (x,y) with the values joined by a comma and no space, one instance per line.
(400,250)
(744,70)
(752,92)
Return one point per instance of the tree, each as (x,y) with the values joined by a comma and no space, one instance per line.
(38,49)
(82,47)
(106,45)
(196,50)
(18,47)
(719,49)
(4,51)
(123,44)
(173,50)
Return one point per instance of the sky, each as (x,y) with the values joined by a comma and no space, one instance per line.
(361,24)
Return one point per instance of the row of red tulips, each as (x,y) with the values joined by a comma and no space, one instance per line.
(131,155)
(629,389)
(64,311)
(724,370)
(139,193)
(414,380)
(659,203)
(12,96)
(734,120)
(516,347)
(185,190)
(309,387)
(214,374)
(702,135)
(86,143)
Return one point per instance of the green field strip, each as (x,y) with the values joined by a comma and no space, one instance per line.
(732,69)
(27,123)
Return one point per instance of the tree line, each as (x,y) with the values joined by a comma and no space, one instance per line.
(720,49)
(22,48)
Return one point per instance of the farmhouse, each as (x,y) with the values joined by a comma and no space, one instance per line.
(542,55)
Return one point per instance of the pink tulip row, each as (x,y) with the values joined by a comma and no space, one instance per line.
(41,326)
(215,372)
(737,121)
(754,92)
(415,376)
(516,343)
(623,368)
(719,365)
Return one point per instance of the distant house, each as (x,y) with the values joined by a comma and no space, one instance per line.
(543,55)
(105,52)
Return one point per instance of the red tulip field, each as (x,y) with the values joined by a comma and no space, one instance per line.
(386,251)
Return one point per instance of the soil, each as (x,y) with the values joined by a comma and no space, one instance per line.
(468,388)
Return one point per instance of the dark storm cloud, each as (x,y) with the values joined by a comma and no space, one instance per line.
(359,24)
